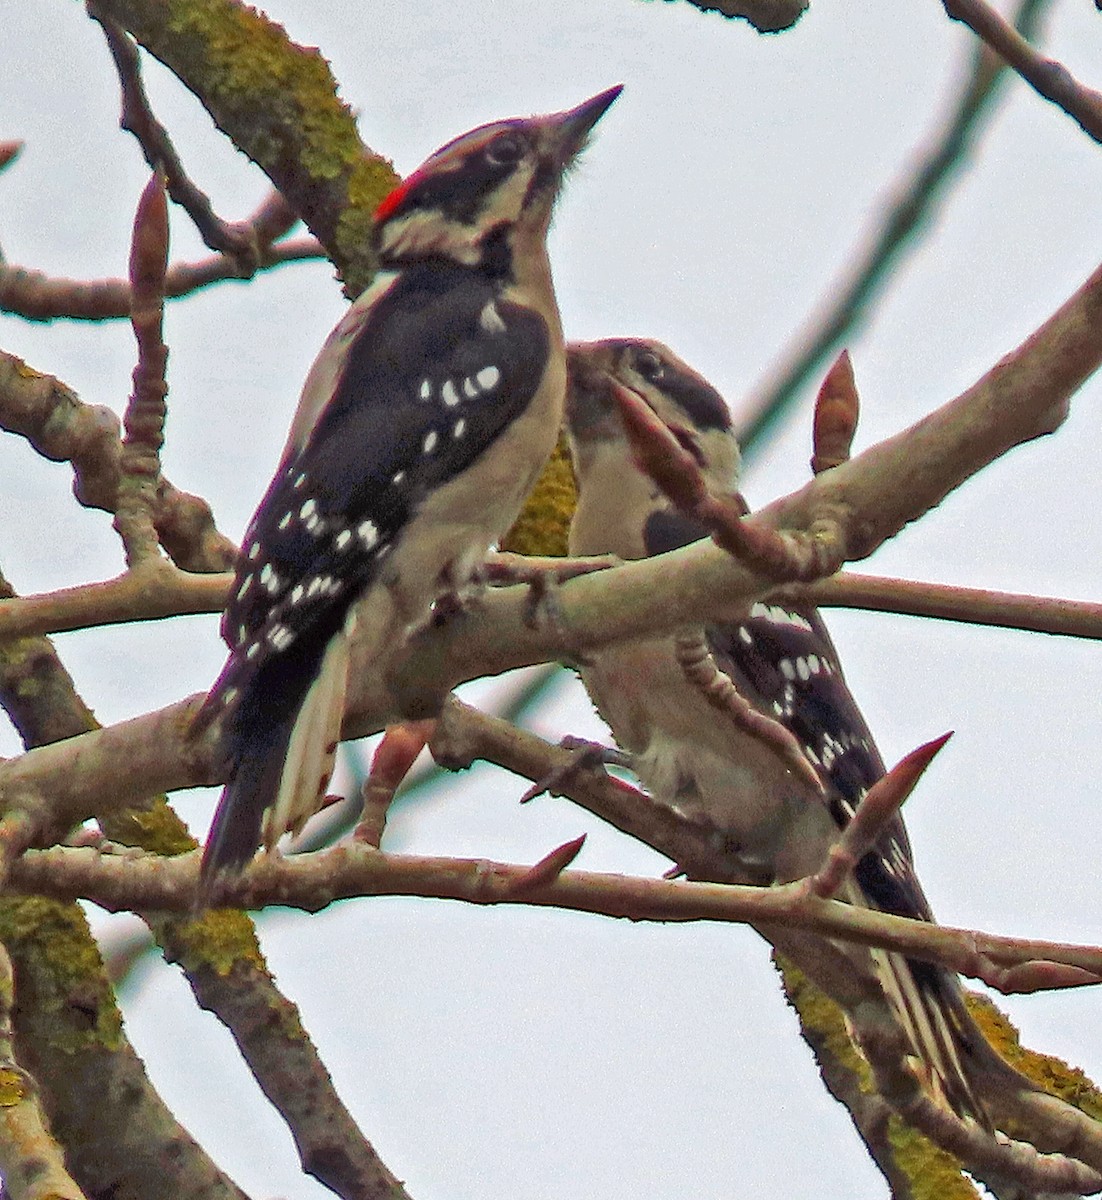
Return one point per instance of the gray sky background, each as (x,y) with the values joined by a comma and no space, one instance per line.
(543,1055)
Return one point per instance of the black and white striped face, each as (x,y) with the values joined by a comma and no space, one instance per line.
(464,201)
(686,403)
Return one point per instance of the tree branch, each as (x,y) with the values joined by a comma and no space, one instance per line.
(1046,76)
(31,1162)
(277,102)
(977,606)
(915,195)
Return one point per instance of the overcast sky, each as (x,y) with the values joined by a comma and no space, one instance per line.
(544,1055)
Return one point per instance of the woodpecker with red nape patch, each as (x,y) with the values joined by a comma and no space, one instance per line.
(423,424)
(771,820)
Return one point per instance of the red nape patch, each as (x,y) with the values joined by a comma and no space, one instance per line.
(390,203)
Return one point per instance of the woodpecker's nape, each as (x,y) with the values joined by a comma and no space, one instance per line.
(422,426)
(781,659)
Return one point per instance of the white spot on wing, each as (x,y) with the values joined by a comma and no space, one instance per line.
(488,378)
(284,521)
(459,428)
(254,552)
(397,477)
(308,509)
(787,669)
(745,635)
(470,388)
(280,637)
(243,590)
(343,539)
(429,444)
(368,533)
(449,394)
(426,390)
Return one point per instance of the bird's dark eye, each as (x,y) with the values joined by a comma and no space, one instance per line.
(649,365)
(505,149)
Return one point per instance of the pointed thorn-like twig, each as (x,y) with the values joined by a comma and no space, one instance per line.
(549,868)
(836,411)
(780,556)
(9,152)
(880,804)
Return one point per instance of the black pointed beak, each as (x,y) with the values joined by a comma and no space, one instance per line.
(573,126)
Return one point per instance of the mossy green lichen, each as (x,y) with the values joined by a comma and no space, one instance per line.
(61,975)
(933,1173)
(822,1018)
(13,1087)
(153,827)
(544,524)
(1049,1072)
(218,940)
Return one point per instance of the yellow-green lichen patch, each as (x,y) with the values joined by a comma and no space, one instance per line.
(543,526)
(23,370)
(1053,1074)
(153,827)
(13,1087)
(248,60)
(218,940)
(60,973)
(820,1016)
(932,1173)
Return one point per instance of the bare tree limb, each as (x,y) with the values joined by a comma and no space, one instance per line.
(1046,76)
(278,103)
(914,196)
(313,881)
(234,241)
(63,429)
(37,297)
(977,606)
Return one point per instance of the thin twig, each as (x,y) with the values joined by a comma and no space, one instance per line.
(60,427)
(977,606)
(151,591)
(1046,76)
(144,423)
(848,302)
(879,806)
(237,242)
(313,881)
(35,296)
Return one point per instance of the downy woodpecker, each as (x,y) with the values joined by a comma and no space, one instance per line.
(422,426)
(780,658)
